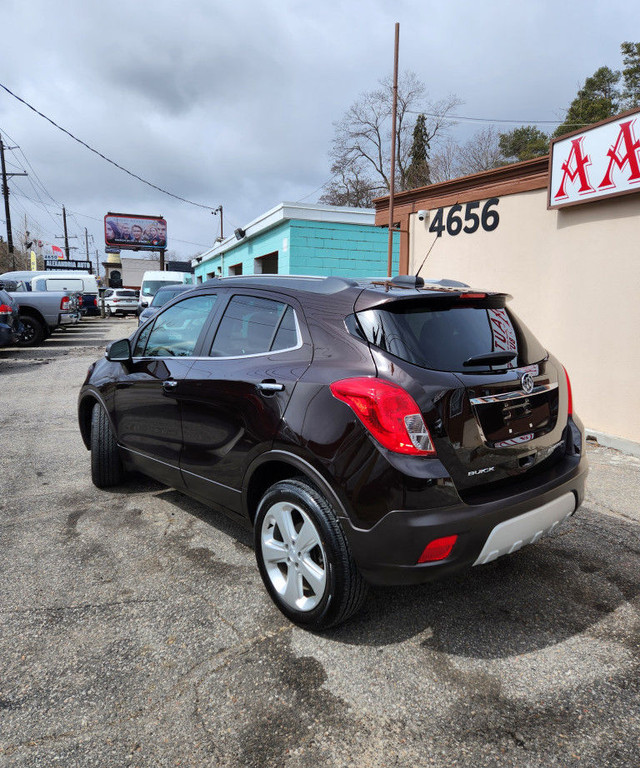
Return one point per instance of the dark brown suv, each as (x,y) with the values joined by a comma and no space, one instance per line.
(382,431)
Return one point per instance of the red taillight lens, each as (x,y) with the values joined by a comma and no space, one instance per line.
(473,296)
(569,395)
(79,301)
(5,309)
(388,412)
(438,549)
(64,303)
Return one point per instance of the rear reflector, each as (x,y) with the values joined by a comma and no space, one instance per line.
(389,412)
(438,549)
(569,394)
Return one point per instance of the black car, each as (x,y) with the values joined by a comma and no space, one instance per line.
(10,324)
(161,297)
(383,431)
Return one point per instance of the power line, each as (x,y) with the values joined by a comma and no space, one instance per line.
(104,157)
(492,119)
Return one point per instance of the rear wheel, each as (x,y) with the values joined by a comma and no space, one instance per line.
(106,464)
(33,332)
(107,311)
(304,558)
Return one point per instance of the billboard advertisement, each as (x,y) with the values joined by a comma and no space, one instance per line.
(135,233)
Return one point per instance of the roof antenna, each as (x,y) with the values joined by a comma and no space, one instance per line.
(428,252)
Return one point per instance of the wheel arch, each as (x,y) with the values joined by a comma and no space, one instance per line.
(276,465)
(85,409)
(25,309)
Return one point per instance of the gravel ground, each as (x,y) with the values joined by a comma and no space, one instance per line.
(135,631)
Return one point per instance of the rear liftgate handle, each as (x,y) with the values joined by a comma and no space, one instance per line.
(269,387)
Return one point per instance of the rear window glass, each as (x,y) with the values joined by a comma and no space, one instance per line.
(444,338)
(127,294)
(162,297)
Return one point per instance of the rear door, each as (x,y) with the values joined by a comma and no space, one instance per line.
(235,396)
(491,417)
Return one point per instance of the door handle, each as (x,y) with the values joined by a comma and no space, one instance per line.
(169,385)
(269,387)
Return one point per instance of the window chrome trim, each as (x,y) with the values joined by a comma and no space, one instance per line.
(517,395)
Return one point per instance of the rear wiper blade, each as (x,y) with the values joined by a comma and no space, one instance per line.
(491,358)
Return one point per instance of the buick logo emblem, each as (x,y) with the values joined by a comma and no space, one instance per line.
(527,383)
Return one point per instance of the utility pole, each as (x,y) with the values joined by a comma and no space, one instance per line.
(97,263)
(66,236)
(5,192)
(392,179)
(217,211)
(86,245)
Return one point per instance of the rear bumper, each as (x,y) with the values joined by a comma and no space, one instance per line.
(68,318)
(388,553)
(9,335)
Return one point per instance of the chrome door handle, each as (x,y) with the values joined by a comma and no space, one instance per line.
(169,385)
(270,386)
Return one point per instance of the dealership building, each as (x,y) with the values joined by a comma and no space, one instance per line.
(562,235)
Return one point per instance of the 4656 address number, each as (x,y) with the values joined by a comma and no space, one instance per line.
(487,218)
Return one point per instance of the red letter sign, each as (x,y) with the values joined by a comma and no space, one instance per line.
(631,145)
(581,163)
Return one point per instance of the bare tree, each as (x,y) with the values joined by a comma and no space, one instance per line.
(360,147)
(481,153)
(445,162)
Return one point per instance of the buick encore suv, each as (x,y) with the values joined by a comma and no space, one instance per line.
(384,431)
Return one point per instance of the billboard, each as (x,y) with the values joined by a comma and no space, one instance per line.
(602,160)
(135,233)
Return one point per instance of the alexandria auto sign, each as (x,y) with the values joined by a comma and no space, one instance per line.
(601,161)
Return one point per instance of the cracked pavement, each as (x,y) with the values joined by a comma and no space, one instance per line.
(135,630)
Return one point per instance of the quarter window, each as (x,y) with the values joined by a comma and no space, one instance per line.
(176,331)
(252,326)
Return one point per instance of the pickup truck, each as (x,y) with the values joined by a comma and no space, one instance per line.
(41,312)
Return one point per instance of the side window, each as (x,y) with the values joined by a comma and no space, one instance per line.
(176,330)
(252,325)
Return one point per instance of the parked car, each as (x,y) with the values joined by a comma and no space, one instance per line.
(78,282)
(162,296)
(120,301)
(41,312)
(383,431)
(10,325)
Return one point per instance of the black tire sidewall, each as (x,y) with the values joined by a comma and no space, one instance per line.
(309,499)
(37,331)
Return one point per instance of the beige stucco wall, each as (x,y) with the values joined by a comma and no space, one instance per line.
(575,278)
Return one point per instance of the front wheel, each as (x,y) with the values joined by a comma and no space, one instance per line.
(107,311)
(106,464)
(304,557)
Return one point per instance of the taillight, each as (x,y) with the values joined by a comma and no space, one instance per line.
(79,301)
(569,395)
(389,413)
(472,296)
(5,309)
(64,303)
(438,549)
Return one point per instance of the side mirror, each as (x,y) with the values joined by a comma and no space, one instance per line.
(119,351)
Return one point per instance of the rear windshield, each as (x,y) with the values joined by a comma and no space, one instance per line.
(443,338)
(162,297)
(127,294)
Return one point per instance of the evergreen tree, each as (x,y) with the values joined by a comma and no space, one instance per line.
(631,74)
(418,172)
(598,99)
(523,143)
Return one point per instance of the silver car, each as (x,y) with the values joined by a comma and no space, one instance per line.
(120,301)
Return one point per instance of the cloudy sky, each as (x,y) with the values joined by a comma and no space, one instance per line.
(232,103)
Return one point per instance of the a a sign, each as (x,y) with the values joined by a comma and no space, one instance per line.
(135,233)
(69,266)
(600,161)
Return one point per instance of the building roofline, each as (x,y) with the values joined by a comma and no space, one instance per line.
(290,212)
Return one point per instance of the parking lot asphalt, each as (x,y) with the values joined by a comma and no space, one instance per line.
(135,630)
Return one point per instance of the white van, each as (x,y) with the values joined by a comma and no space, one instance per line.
(153,280)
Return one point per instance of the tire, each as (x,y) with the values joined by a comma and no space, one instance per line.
(106,464)
(317,586)
(33,333)
(107,311)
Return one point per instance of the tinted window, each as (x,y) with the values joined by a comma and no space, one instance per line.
(126,294)
(176,330)
(253,325)
(149,287)
(162,297)
(444,338)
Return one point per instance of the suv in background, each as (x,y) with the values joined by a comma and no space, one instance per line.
(383,431)
(120,301)
(162,296)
